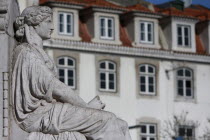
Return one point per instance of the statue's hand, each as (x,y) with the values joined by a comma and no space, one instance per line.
(96,103)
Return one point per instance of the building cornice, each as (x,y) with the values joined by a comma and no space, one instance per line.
(127,51)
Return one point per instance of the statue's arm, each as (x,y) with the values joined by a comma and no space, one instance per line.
(65,94)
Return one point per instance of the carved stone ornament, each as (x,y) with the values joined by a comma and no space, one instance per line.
(45,107)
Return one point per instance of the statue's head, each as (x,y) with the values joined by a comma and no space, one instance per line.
(38,17)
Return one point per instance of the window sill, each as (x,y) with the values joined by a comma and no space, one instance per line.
(146,45)
(107,41)
(148,96)
(184,99)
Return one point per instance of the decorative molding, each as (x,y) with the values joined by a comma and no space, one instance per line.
(5,104)
(127,51)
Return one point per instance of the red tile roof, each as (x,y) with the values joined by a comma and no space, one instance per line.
(88,3)
(195,11)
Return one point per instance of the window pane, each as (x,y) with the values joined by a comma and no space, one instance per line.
(109,23)
(142,79)
(143,88)
(151,88)
(69,24)
(152,129)
(186,41)
(143,129)
(180,73)
(188,92)
(180,83)
(111,66)
(143,138)
(180,91)
(70,82)
(142,69)
(187,73)
(61,61)
(102,65)
(61,72)
(152,138)
(111,85)
(70,73)
(61,79)
(142,27)
(189,132)
(61,22)
(109,32)
(179,40)
(103,85)
(102,76)
(188,84)
(149,37)
(149,28)
(142,36)
(102,27)
(186,32)
(151,80)
(150,69)
(181,131)
(111,77)
(70,62)
(179,31)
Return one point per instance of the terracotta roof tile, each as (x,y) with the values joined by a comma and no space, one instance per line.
(199,46)
(83,32)
(88,3)
(124,37)
(139,7)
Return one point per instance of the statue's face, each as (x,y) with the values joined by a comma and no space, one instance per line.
(45,28)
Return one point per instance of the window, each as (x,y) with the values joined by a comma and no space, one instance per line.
(185,83)
(187,132)
(66,71)
(147,79)
(146,32)
(183,35)
(107,76)
(148,132)
(65,23)
(106,28)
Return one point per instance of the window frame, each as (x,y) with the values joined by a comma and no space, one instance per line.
(184,79)
(187,127)
(146,41)
(146,74)
(65,14)
(149,135)
(66,67)
(182,26)
(106,28)
(107,71)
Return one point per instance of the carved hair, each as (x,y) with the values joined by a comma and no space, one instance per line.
(31,16)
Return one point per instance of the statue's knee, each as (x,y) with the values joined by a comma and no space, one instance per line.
(109,115)
(123,123)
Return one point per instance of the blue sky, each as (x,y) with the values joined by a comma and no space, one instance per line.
(205,3)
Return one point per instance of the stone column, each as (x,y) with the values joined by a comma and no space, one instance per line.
(8,12)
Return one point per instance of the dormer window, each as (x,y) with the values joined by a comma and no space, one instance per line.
(146,32)
(183,35)
(106,28)
(65,23)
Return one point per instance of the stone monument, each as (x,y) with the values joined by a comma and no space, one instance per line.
(42,106)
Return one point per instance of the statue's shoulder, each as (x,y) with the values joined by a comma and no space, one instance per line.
(24,49)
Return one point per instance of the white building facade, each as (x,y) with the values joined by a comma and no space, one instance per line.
(146,65)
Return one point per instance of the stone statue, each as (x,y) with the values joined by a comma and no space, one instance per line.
(43,104)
